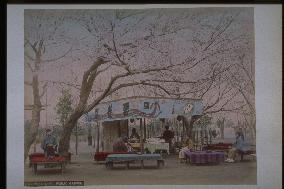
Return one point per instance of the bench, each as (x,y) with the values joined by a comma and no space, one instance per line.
(41,155)
(128,158)
(251,153)
(101,156)
(57,160)
(218,146)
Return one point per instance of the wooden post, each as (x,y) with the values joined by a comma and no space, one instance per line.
(144,129)
(127,128)
(35,147)
(183,130)
(101,146)
(119,129)
(76,145)
(98,138)
(141,139)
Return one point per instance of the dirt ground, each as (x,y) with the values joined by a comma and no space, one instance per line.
(84,168)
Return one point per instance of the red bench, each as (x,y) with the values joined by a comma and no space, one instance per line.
(101,156)
(247,152)
(41,155)
(39,160)
(218,146)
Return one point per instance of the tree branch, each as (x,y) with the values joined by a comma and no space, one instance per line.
(57,58)
(223,110)
(30,66)
(64,83)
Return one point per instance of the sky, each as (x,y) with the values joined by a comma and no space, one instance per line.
(86,46)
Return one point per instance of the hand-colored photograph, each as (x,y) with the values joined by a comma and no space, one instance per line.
(154,96)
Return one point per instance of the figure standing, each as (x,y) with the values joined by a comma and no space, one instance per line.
(168,135)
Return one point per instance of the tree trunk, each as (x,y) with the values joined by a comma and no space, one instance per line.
(30,137)
(64,142)
(33,131)
(222,128)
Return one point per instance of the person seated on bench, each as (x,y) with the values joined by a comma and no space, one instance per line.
(134,135)
(122,145)
(239,145)
(188,145)
(49,144)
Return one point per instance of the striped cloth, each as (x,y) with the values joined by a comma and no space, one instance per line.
(204,157)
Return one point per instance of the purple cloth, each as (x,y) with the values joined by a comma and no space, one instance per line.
(203,157)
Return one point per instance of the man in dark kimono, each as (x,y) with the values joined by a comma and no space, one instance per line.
(168,135)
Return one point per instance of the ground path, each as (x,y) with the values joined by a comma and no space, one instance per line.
(174,173)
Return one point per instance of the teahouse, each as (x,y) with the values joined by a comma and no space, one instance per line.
(112,118)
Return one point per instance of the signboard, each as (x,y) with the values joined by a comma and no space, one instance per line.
(145,107)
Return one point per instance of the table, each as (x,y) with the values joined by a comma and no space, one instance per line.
(127,158)
(135,146)
(205,157)
(57,160)
(152,147)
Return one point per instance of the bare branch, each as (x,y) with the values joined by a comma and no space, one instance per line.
(57,58)
(137,83)
(30,66)
(240,89)
(29,56)
(241,65)
(172,81)
(76,86)
(32,45)
(223,110)
(214,38)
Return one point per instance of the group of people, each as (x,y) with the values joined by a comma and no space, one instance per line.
(239,145)
(49,144)
(123,144)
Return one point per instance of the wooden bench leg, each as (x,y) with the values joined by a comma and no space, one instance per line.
(35,168)
(109,165)
(142,164)
(160,162)
(62,168)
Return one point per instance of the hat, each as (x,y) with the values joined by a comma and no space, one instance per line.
(48,130)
